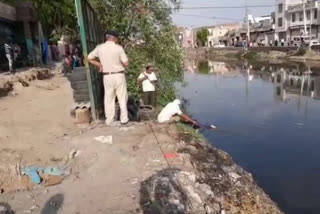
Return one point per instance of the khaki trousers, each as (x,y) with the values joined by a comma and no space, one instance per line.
(115,85)
(149,98)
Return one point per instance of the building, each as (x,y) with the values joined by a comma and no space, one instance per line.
(261,29)
(185,37)
(295,84)
(293,19)
(19,23)
(222,34)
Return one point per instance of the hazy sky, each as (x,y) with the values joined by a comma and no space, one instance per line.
(238,14)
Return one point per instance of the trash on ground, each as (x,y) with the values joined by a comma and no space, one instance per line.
(50,180)
(74,153)
(54,159)
(134,181)
(34,207)
(33,172)
(234,176)
(171,155)
(105,139)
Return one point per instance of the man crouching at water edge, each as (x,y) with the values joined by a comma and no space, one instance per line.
(172,113)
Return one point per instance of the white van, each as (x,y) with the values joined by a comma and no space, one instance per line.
(297,40)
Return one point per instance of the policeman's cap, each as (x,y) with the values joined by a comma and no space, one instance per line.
(112,33)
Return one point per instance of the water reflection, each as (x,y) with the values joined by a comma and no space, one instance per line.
(273,111)
(291,82)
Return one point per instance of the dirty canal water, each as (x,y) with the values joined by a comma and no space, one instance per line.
(268,119)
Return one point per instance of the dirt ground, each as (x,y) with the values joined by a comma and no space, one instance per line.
(36,129)
(33,119)
(149,168)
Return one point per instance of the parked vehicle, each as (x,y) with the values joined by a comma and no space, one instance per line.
(221,45)
(238,44)
(297,41)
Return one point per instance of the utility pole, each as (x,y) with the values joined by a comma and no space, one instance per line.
(215,30)
(304,17)
(310,31)
(248,25)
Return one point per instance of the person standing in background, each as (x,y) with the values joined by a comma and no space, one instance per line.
(148,80)
(8,48)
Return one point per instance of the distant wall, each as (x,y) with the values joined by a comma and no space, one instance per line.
(7,12)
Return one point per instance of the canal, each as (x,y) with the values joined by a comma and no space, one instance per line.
(268,119)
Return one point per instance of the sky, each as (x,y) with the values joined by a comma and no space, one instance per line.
(184,20)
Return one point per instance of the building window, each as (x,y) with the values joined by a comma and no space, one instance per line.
(301,16)
(279,22)
(280,8)
(315,14)
(293,17)
(308,15)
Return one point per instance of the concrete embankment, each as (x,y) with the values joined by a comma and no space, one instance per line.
(257,53)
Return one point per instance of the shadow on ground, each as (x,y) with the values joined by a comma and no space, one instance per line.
(53,205)
(5,208)
(162,193)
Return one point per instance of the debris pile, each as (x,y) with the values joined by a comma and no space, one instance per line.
(214,184)
(7,82)
(16,178)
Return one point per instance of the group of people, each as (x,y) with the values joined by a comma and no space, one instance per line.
(113,62)
(73,60)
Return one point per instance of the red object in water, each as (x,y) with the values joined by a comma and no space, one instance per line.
(171,155)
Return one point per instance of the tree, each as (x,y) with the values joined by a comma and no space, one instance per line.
(57,17)
(202,36)
(148,37)
(146,29)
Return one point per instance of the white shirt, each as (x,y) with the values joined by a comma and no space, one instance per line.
(111,56)
(147,84)
(168,112)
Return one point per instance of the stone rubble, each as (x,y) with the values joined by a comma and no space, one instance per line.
(211,184)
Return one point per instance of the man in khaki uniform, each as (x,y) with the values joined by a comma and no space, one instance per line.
(113,63)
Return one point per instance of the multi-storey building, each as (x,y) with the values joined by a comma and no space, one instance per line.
(294,18)
(218,33)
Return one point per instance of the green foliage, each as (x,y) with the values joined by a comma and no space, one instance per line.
(146,32)
(194,134)
(148,37)
(202,36)
(250,55)
(301,51)
(57,18)
(203,67)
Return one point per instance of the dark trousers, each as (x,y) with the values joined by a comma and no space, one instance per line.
(150,98)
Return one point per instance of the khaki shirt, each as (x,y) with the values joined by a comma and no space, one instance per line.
(111,56)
